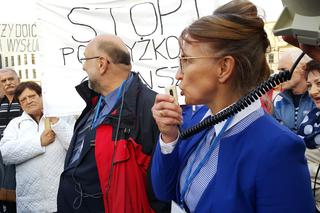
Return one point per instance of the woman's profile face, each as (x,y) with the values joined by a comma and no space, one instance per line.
(197,73)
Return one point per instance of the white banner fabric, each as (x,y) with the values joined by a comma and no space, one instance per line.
(149,28)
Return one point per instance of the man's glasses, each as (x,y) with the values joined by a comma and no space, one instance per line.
(184,61)
(82,60)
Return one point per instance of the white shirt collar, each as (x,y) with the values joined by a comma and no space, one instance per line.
(237,117)
(26,116)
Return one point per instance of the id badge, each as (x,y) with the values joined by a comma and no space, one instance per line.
(175,208)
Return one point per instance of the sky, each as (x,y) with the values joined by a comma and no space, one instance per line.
(24,11)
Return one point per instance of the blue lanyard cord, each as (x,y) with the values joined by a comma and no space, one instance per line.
(97,111)
(190,177)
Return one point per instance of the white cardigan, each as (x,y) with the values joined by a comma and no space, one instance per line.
(38,168)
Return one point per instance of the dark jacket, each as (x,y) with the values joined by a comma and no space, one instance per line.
(80,183)
(8,183)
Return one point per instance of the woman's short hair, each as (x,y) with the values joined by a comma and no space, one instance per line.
(27,85)
(236,30)
(312,65)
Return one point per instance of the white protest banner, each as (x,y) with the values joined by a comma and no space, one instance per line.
(149,28)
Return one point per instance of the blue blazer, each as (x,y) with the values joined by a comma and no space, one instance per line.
(260,169)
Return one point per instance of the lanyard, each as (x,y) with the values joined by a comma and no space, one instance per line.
(96,115)
(190,177)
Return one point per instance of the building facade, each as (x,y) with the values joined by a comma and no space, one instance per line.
(19,50)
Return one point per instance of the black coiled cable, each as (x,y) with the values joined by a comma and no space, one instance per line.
(244,102)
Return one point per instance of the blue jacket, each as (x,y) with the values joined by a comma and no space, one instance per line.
(284,110)
(310,129)
(260,169)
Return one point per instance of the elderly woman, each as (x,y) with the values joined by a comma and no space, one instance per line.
(248,163)
(38,153)
(310,128)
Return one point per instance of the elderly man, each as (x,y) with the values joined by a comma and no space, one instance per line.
(293,103)
(9,109)
(1,92)
(107,164)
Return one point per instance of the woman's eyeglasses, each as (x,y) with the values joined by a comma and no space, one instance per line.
(184,60)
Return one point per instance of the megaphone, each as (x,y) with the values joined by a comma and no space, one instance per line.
(300,19)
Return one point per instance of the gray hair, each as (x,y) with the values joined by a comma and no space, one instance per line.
(8,69)
(294,53)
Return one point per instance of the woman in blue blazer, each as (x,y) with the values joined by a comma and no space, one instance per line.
(248,163)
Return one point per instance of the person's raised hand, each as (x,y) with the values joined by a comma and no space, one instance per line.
(168,116)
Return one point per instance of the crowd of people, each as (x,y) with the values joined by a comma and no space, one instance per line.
(124,153)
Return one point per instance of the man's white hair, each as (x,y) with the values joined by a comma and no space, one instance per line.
(293,54)
(10,70)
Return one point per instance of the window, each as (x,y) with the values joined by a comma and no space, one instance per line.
(34,73)
(7,61)
(12,60)
(33,60)
(271,58)
(27,74)
(25,59)
(19,60)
